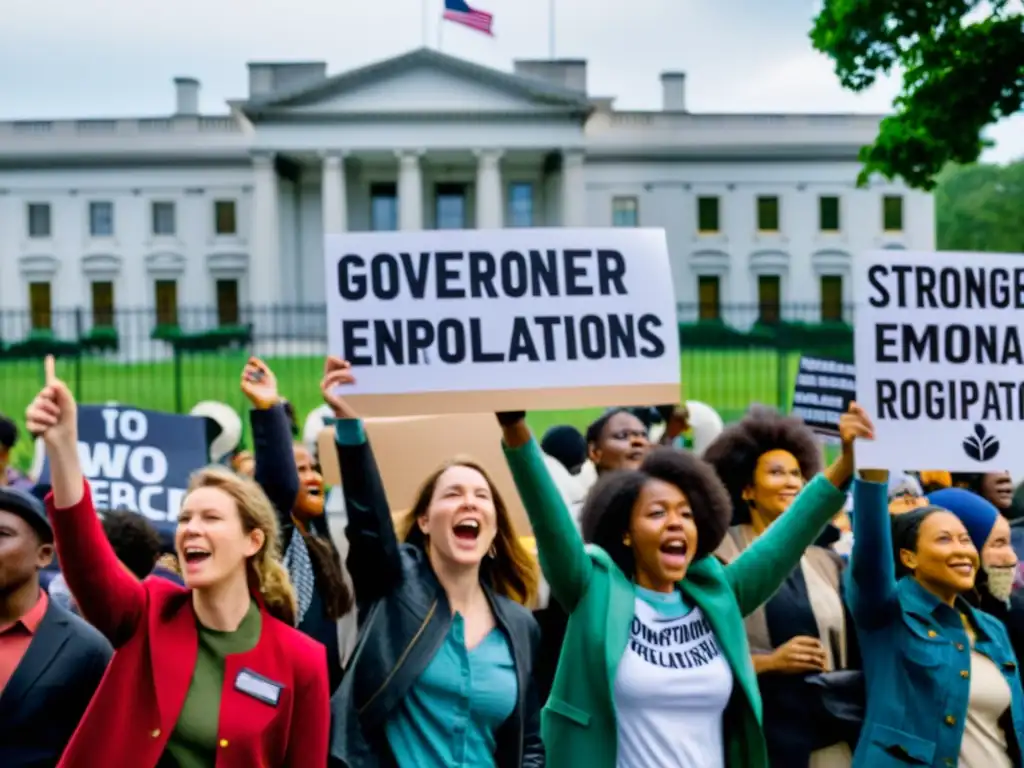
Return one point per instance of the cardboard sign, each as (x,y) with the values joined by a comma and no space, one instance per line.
(139,460)
(940,359)
(409,449)
(478,321)
(823,392)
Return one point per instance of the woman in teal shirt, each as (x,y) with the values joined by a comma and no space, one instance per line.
(656,638)
(442,672)
(943,687)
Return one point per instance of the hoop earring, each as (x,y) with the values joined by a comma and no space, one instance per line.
(627,541)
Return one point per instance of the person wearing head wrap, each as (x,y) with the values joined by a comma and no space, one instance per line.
(990,532)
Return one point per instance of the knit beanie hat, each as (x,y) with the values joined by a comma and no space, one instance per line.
(977,514)
(902,484)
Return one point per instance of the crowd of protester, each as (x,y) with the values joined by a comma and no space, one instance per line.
(691,595)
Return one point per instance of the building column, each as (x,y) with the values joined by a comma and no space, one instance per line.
(265,266)
(574,189)
(333,194)
(410,190)
(489,213)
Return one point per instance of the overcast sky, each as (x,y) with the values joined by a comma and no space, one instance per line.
(105,58)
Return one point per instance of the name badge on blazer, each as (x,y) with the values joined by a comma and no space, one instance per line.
(259,687)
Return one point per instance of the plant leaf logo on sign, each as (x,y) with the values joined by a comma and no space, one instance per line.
(981,446)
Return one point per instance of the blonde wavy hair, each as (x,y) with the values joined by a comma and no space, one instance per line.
(512,572)
(266,573)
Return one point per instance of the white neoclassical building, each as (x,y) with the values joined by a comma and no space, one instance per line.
(229,211)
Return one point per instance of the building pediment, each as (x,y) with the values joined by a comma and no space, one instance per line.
(423,82)
(38,266)
(770,261)
(101,264)
(166,263)
(831,260)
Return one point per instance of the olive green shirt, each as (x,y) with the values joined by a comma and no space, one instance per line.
(194,741)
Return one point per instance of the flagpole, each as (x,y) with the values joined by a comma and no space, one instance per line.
(551,29)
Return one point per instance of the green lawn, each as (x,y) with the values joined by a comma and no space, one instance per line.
(728,380)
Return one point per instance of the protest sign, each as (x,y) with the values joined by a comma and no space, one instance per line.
(823,392)
(138,460)
(409,449)
(474,321)
(940,363)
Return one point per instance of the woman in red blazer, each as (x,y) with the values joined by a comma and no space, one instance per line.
(210,675)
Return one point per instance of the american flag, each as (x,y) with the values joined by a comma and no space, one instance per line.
(460,12)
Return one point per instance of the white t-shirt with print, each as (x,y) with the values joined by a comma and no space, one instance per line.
(671,689)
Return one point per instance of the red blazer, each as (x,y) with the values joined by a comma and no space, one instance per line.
(152,626)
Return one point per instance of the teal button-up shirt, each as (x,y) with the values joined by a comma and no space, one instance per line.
(453,711)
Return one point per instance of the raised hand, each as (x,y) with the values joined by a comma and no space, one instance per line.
(855,425)
(53,414)
(259,384)
(337,373)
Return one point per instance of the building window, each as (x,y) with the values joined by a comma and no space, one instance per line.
(450,206)
(769,299)
(709,297)
(227,302)
(164,223)
(828,213)
(767,213)
(707,215)
(40,306)
(167,302)
(520,205)
(103,304)
(39,220)
(224,218)
(892,213)
(101,219)
(831,298)
(625,212)
(383,207)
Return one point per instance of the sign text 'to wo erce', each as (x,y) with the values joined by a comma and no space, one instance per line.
(940,359)
(139,460)
(485,320)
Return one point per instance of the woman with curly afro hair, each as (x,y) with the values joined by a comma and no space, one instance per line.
(655,670)
(764,461)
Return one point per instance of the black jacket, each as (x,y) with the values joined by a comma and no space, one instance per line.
(277,475)
(404,617)
(52,685)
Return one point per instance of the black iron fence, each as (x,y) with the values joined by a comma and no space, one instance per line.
(731,355)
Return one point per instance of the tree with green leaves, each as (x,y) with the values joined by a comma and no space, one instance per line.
(980,208)
(962,64)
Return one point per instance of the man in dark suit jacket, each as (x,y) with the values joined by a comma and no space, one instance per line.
(50,660)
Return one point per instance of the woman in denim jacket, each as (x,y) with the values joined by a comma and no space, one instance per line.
(942,682)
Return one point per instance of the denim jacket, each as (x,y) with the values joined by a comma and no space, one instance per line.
(916,653)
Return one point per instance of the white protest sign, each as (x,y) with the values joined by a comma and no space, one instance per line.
(484,320)
(940,363)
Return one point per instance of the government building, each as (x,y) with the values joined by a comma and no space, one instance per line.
(227,213)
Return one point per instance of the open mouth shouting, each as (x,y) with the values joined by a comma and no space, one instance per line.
(195,556)
(674,553)
(467,532)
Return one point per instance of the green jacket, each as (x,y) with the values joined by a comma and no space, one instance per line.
(578,723)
